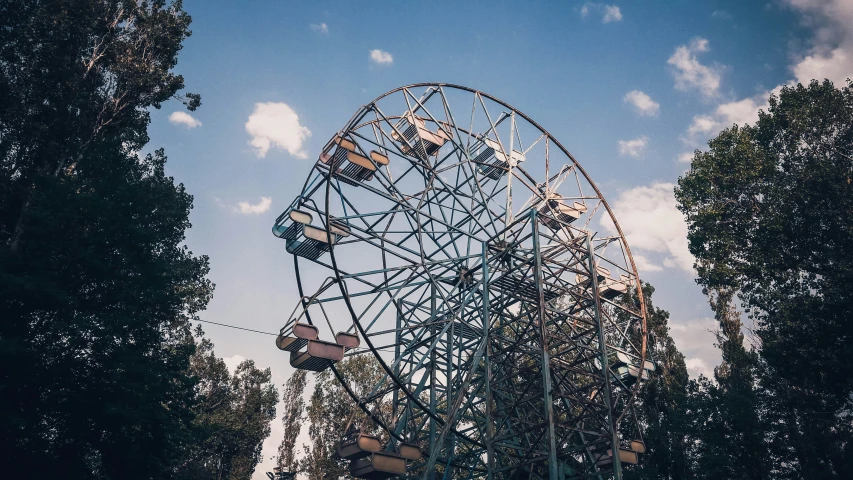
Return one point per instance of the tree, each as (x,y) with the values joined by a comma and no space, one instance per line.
(291,419)
(330,409)
(97,289)
(74,73)
(727,414)
(770,214)
(662,404)
(96,335)
(232,416)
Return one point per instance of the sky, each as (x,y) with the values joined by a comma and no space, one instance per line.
(631,88)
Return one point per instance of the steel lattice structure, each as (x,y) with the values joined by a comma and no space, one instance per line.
(467,272)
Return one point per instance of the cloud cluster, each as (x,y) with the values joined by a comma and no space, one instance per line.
(831,53)
(233,362)
(609,13)
(381,57)
(830,56)
(653,225)
(247,208)
(184,118)
(695,339)
(690,74)
(320,28)
(633,148)
(642,103)
(276,125)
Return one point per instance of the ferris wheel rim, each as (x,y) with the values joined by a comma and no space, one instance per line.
(390,427)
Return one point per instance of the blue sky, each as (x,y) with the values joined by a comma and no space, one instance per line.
(628,87)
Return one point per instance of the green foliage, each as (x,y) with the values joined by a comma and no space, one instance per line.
(97,290)
(96,334)
(330,410)
(662,404)
(291,419)
(232,416)
(727,414)
(770,215)
(76,71)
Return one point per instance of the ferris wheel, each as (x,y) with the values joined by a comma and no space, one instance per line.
(452,239)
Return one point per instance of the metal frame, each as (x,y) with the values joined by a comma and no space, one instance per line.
(489,320)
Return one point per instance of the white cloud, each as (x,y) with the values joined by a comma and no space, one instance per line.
(642,103)
(381,57)
(609,13)
(738,112)
(633,148)
(698,366)
(233,362)
(685,157)
(722,14)
(690,74)
(829,56)
(652,224)
(644,264)
(185,119)
(695,339)
(247,208)
(276,125)
(831,53)
(321,28)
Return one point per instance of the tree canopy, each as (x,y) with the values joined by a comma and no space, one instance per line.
(769,209)
(97,289)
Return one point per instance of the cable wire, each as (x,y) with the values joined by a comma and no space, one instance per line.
(234,326)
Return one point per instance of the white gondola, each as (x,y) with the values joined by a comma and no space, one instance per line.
(313,243)
(302,332)
(625,456)
(279,474)
(306,240)
(629,374)
(378,466)
(318,356)
(638,446)
(350,166)
(347,340)
(289,226)
(610,289)
(555,213)
(416,140)
(410,451)
(607,287)
(583,279)
(492,162)
(356,445)
(616,358)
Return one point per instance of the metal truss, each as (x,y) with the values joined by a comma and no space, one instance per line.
(511,334)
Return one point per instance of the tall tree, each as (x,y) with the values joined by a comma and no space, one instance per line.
(232,416)
(662,404)
(72,73)
(291,419)
(330,409)
(770,214)
(727,416)
(97,290)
